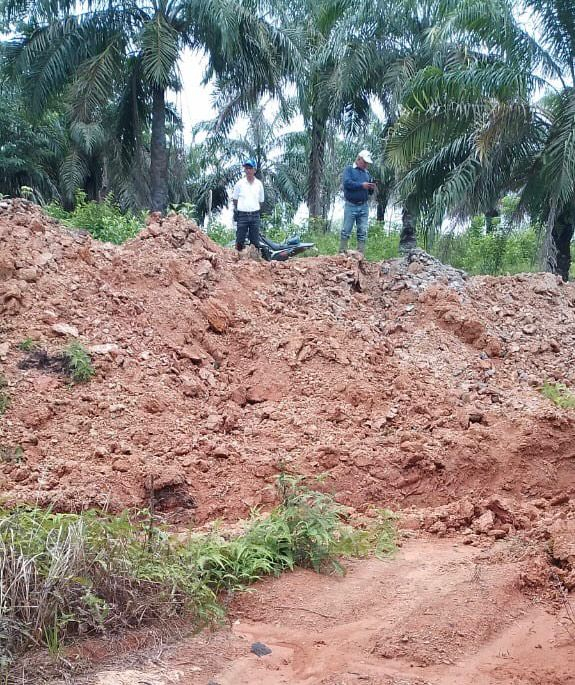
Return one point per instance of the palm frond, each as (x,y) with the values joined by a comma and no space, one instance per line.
(160,51)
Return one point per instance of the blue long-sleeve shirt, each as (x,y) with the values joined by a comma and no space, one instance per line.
(353,178)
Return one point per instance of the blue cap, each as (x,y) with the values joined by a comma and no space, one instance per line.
(250,162)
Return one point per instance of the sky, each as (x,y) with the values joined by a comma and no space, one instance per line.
(194,100)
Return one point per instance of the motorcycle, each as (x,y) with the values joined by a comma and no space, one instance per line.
(280,252)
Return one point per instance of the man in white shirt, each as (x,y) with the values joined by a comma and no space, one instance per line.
(248,197)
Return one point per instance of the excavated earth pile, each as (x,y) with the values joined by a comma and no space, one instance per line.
(410,385)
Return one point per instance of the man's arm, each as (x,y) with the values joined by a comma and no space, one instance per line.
(235,196)
(261,197)
(236,193)
(372,185)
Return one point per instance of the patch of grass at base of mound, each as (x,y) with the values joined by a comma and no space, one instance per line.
(63,575)
(559,394)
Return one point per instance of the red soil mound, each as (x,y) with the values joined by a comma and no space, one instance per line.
(405,382)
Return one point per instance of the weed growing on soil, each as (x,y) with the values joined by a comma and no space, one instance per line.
(559,394)
(4,396)
(65,574)
(68,574)
(28,345)
(11,454)
(79,363)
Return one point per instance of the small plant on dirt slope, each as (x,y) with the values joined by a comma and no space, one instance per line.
(28,345)
(307,529)
(79,363)
(64,574)
(4,396)
(559,394)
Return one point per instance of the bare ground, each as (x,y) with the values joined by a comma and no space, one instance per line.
(440,613)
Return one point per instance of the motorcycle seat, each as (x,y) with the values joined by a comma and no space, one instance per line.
(270,243)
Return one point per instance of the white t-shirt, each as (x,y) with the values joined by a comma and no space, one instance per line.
(249,195)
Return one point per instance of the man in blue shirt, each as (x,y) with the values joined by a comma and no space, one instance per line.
(357,186)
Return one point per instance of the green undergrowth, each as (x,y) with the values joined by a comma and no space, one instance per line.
(559,394)
(62,575)
(28,345)
(103,220)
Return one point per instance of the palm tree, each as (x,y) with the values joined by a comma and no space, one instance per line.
(216,163)
(463,95)
(332,76)
(468,135)
(127,53)
(549,191)
(30,152)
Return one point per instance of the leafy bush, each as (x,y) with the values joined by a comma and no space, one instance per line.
(500,252)
(65,574)
(307,529)
(559,394)
(185,209)
(103,220)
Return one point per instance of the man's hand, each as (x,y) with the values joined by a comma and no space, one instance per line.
(235,215)
(368,186)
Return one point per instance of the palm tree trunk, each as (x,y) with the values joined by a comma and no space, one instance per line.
(383,195)
(158,153)
(490,215)
(316,160)
(408,237)
(562,236)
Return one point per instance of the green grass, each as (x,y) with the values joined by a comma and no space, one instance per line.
(472,250)
(79,363)
(559,394)
(508,249)
(67,574)
(28,345)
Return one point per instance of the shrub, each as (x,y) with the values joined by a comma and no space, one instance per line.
(103,220)
(28,345)
(220,233)
(63,574)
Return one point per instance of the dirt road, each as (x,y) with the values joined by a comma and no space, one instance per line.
(440,613)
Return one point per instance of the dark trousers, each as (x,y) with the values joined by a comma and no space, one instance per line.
(248,225)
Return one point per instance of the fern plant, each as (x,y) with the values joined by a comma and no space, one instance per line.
(62,571)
